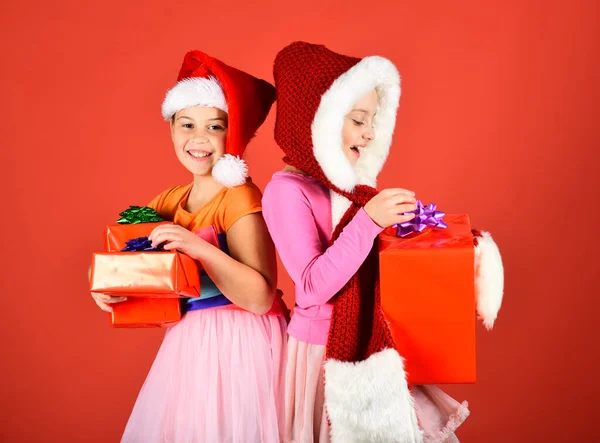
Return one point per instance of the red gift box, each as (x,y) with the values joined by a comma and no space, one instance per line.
(428,297)
(146,313)
(116,236)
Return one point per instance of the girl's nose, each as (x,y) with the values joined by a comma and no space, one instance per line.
(369,134)
(200,137)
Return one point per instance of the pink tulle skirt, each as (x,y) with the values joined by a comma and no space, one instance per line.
(218,377)
(305,415)
(439,414)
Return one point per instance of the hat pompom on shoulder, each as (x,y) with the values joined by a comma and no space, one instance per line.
(230,171)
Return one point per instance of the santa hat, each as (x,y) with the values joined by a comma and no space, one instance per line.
(206,81)
(366,392)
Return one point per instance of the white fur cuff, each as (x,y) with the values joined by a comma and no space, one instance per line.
(489,279)
(370,401)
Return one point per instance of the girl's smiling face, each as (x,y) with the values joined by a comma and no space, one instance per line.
(199,137)
(358,130)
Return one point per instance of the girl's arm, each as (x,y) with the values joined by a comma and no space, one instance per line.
(319,270)
(249,276)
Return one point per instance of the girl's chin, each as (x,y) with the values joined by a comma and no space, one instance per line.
(199,172)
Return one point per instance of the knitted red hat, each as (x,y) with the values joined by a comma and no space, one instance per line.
(366,393)
(206,81)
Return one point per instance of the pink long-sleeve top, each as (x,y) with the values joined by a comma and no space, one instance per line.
(297,210)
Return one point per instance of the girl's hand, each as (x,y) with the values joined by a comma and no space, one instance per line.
(177,237)
(386,208)
(103,300)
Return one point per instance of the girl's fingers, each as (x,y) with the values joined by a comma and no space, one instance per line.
(103,306)
(404,218)
(172,245)
(404,199)
(164,228)
(116,300)
(100,297)
(405,208)
(394,191)
(103,299)
(163,237)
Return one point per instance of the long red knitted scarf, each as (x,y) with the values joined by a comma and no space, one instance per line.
(358,327)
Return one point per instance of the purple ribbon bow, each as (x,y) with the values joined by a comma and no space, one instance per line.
(424,216)
(140,244)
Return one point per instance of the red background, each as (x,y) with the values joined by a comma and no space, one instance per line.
(498,118)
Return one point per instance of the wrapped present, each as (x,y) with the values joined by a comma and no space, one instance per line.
(428,296)
(160,274)
(117,236)
(146,313)
(135,222)
(139,310)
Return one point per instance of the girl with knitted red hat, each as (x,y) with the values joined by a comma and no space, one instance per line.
(217,376)
(344,379)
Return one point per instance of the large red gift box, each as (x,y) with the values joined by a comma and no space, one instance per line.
(428,298)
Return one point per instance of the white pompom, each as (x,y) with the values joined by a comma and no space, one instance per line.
(489,279)
(230,171)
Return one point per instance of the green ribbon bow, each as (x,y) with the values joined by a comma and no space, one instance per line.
(139,214)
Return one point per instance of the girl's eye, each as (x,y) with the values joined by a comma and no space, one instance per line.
(216,128)
(358,123)
(188,125)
